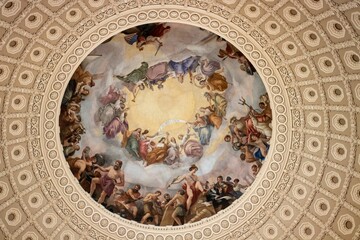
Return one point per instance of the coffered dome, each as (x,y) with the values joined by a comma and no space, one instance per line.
(305,51)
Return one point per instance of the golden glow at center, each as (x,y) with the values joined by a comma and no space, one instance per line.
(178,101)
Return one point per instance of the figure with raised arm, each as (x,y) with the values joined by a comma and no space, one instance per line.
(150,201)
(192,185)
(113,176)
(180,209)
(134,195)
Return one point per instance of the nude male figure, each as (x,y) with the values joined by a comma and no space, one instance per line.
(114,176)
(247,155)
(134,195)
(180,209)
(192,184)
(149,207)
(79,164)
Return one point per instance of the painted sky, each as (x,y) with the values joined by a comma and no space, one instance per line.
(117,57)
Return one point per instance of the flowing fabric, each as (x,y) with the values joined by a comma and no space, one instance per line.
(136,75)
(204,129)
(173,154)
(193,148)
(159,30)
(158,72)
(217,82)
(250,129)
(210,67)
(215,120)
(111,97)
(157,155)
(132,145)
(143,146)
(131,38)
(196,192)
(220,105)
(258,154)
(114,127)
(105,114)
(184,66)
(107,184)
(204,133)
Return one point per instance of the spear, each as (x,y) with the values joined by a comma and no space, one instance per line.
(157,50)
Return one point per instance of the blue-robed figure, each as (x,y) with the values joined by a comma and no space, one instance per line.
(203,128)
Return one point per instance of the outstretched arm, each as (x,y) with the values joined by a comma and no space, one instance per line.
(153,136)
(131,194)
(102,168)
(177,180)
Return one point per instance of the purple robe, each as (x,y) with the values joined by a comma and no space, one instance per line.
(210,68)
(193,148)
(114,127)
(187,65)
(107,184)
(157,72)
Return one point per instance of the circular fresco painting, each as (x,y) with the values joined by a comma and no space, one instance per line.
(165,124)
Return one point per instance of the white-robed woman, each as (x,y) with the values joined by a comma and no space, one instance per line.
(173,152)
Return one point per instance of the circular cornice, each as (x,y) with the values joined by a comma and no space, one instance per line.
(63,180)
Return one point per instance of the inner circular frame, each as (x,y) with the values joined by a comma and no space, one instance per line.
(84,206)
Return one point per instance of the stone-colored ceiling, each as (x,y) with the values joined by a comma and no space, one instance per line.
(307,53)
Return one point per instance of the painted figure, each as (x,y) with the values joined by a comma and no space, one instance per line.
(258,122)
(118,124)
(191,147)
(113,176)
(180,139)
(112,96)
(158,152)
(192,185)
(78,165)
(229,52)
(145,34)
(173,153)
(134,81)
(217,102)
(203,128)
(134,195)
(261,145)
(181,68)
(150,208)
(132,143)
(157,74)
(180,206)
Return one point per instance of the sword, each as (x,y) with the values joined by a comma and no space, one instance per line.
(157,50)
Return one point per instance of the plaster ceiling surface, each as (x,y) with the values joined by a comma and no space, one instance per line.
(307,54)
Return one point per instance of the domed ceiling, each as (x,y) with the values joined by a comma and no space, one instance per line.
(174,109)
(306,57)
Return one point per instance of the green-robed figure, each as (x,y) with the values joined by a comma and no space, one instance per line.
(135,79)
